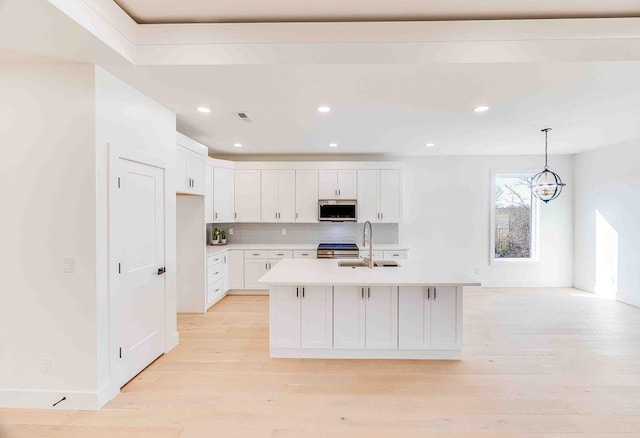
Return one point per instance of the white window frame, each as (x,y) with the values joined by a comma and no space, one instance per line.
(535,218)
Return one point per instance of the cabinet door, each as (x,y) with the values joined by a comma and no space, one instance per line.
(391,196)
(253,270)
(368,199)
(235,260)
(225,272)
(445,327)
(223,195)
(182,180)
(247,195)
(316,316)
(287,196)
(413,318)
(382,317)
(306,196)
(208,195)
(195,170)
(347,184)
(328,184)
(269,196)
(349,317)
(284,317)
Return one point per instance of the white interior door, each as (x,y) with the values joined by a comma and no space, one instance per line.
(138,247)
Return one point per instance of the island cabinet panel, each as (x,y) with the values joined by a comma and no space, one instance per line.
(348,317)
(430,318)
(284,317)
(316,311)
(414,318)
(446,318)
(381,316)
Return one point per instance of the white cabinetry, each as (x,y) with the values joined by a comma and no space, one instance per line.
(337,184)
(380,196)
(257,263)
(223,195)
(208,195)
(428,318)
(365,317)
(278,195)
(306,196)
(189,171)
(300,317)
(247,196)
(235,259)
(395,255)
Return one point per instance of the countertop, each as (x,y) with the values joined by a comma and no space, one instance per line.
(216,249)
(327,272)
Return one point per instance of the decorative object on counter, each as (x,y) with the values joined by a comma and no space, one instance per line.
(546,185)
(218,237)
(223,237)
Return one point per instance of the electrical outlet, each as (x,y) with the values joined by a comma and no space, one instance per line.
(69,263)
(284,231)
(230,231)
(46,364)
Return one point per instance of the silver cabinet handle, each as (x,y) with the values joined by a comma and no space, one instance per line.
(296,216)
(369,292)
(428,293)
(235,215)
(338,192)
(434,292)
(297,292)
(303,292)
(362,292)
(276,214)
(215,215)
(265,266)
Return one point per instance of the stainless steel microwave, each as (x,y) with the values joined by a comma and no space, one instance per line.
(337,211)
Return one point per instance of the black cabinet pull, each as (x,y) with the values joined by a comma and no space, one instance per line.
(369,292)
(162,270)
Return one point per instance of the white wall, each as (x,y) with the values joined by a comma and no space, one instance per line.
(447,207)
(47,186)
(607,182)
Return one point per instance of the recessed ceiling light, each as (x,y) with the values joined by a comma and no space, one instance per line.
(430,145)
(204,109)
(481,109)
(237,145)
(333,145)
(323,109)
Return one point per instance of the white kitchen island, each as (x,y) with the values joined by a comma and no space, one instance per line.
(320,310)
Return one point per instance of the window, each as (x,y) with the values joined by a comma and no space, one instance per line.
(513,218)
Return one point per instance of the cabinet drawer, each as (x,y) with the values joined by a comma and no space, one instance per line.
(214,290)
(280,254)
(395,255)
(377,255)
(214,259)
(311,254)
(249,254)
(214,273)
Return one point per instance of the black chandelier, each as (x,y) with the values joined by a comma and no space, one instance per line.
(546,185)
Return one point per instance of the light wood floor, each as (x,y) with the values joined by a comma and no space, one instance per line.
(536,363)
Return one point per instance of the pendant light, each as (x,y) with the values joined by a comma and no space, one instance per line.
(546,185)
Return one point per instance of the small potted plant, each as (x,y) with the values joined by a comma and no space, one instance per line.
(216,236)
(223,237)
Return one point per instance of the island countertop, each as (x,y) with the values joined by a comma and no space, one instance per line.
(327,272)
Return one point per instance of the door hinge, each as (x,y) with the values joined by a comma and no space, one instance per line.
(120,353)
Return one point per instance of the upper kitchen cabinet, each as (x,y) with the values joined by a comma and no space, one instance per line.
(278,195)
(223,195)
(306,196)
(208,194)
(337,184)
(380,196)
(190,165)
(247,196)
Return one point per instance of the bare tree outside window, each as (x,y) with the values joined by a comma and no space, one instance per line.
(513,217)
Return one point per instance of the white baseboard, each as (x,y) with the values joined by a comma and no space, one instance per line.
(523,284)
(172,342)
(248,292)
(45,399)
(313,353)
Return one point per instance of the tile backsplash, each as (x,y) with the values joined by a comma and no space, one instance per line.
(305,233)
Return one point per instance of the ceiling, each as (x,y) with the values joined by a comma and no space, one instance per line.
(396,109)
(229,11)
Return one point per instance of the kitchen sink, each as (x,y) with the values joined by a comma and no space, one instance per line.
(364,264)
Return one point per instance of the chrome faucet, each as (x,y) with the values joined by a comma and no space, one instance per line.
(364,242)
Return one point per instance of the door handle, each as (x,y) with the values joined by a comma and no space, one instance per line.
(162,270)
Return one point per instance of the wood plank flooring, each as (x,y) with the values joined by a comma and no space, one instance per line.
(544,363)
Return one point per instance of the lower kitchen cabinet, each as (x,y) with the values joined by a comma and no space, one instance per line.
(257,263)
(235,261)
(428,318)
(301,317)
(365,317)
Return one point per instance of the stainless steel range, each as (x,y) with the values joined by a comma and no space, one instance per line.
(338,251)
